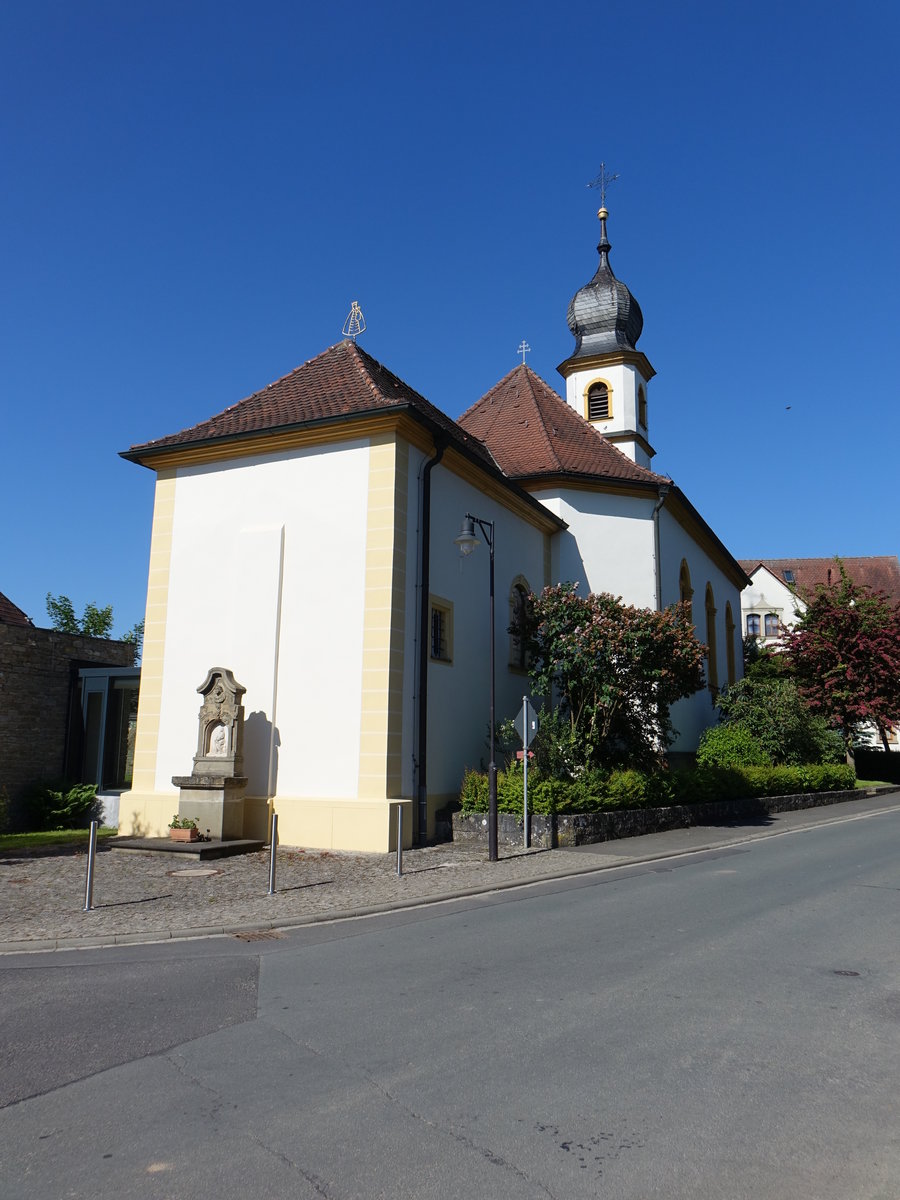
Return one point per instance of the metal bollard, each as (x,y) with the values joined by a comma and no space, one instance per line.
(272,854)
(399,839)
(89,880)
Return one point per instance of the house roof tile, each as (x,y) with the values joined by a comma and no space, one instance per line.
(11,614)
(342,381)
(531,431)
(880,573)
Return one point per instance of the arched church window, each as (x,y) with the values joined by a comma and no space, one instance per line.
(712,666)
(642,408)
(685,591)
(598,403)
(518,605)
(729,642)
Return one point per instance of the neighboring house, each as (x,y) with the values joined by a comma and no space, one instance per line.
(778,586)
(303,538)
(65,705)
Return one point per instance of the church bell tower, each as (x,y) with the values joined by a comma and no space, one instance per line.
(607,376)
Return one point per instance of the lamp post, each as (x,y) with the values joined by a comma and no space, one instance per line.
(467,541)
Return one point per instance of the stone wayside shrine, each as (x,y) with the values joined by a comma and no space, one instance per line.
(213,794)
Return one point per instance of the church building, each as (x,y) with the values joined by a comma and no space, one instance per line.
(304,539)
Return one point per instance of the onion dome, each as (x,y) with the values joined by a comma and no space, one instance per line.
(603,315)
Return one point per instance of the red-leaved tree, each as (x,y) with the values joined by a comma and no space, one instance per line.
(844,652)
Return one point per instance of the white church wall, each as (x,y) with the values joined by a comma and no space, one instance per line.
(459,692)
(694,714)
(254,538)
(624,382)
(609,545)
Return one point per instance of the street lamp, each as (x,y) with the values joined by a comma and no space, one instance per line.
(467,541)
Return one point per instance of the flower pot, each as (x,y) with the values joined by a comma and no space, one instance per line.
(184,835)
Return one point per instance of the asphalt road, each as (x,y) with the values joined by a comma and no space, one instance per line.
(723,1025)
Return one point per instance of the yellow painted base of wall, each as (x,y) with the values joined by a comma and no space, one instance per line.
(146,814)
(368,826)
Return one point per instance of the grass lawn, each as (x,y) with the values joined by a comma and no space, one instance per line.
(50,837)
(867,783)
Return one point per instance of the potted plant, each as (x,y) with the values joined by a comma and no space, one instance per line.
(183,829)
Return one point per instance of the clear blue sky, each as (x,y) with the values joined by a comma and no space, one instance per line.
(194,193)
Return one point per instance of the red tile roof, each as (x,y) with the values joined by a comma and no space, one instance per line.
(531,431)
(881,574)
(343,381)
(11,614)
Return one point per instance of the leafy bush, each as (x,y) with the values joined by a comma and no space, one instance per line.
(731,746)
(780,720)
(606,791)
(60,806)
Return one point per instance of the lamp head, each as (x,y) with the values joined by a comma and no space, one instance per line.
(466,540)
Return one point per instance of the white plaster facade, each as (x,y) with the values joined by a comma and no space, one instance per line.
(768,597)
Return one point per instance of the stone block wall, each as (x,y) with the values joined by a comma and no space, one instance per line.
(581,829)
(37,670)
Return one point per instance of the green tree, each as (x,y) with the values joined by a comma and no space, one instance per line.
(844,653)
(771,709)
(93,622)
(135,635)
(62,614)
(616,671)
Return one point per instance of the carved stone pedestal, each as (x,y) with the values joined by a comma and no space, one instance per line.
(213,794)
(215,802)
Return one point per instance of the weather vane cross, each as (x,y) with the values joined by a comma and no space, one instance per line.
(603,180)
(523,350)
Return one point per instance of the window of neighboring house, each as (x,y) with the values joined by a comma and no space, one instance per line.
(729,642)
(642,408)
(753,624)
(598,405)
(441,630)
(685,591)
(712,664)
(771,624)
(789,577)
(518,595)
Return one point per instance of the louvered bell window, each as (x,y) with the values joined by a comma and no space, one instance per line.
(598,402)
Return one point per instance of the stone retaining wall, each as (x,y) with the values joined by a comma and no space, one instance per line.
(580,829)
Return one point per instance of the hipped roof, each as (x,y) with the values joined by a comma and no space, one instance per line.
(341,382)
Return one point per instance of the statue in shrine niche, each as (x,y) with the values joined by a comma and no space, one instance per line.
(220,737)
(213,794)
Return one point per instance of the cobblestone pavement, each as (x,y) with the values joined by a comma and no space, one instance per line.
(146,897)
(139,896)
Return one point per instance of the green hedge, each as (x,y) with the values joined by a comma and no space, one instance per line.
(599,791)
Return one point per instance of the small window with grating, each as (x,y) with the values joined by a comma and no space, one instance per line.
(441,632)
(598,402)
(642,408)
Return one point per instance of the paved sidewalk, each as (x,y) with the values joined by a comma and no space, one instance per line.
(152,897)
